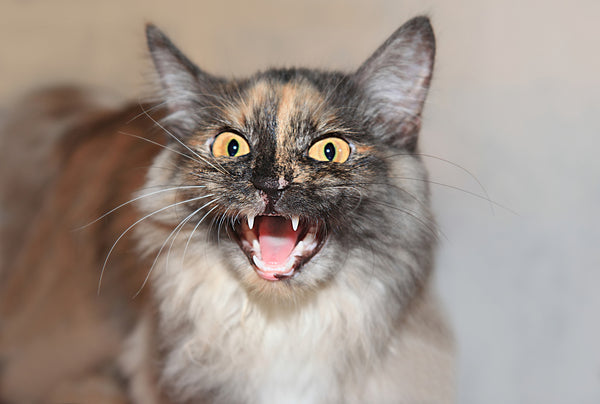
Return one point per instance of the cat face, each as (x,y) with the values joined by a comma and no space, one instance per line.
(296,168)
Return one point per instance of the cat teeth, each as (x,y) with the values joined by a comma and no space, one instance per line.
(273,273)
(295,222)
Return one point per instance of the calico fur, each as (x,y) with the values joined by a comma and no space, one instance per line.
(357,322)
(59,338)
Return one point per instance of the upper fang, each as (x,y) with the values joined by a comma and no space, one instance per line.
(295,221)
(250,222)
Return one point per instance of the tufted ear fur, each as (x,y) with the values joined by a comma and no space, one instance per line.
(182,81)
(395,80)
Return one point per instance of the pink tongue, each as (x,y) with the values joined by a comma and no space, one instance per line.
(277,240)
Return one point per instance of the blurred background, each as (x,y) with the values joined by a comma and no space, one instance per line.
(515,101)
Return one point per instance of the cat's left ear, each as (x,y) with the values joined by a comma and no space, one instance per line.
(395,80)
(182,81)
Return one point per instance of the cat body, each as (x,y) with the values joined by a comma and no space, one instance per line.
(284,237)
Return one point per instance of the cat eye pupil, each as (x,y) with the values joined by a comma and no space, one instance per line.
(228,144)
(233,147)
(329,151)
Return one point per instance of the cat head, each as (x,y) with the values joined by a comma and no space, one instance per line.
(298,171)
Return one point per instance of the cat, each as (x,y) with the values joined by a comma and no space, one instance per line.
(279,246)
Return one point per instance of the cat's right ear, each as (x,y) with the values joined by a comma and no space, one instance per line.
(182,81)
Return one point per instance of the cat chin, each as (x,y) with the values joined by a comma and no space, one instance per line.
(289,293)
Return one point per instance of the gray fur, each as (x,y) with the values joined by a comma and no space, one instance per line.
(357,323)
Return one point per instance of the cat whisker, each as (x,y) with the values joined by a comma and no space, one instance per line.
(194,230)
(484,197)
(362,184)
(136,223)
(178,227)
(234,219)
(218,219)
(211,226)
(161,105)
(152,108)
(434,231)
(173,235)
(469,173)
(137,199)
(218,167)
(202,176)
(223,217)
(161,146)
(429,226)
(476,195)
(352,187)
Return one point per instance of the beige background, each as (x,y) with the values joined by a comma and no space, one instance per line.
(515,100)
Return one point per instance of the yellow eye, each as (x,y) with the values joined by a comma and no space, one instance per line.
(228,144)
(331,149)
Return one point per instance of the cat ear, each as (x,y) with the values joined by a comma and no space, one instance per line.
(395,80)
(182,81)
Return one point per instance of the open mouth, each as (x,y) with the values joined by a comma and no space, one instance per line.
(278,246)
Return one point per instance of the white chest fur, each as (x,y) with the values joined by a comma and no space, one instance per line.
(223,343)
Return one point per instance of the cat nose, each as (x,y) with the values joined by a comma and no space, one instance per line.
(273,187)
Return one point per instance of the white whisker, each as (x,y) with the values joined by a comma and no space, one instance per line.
(161,146)
(152,108)
(221,220)
(220,168)
(193,231)
(476,195)
(174,233)
(206,214)
(137,199)
(136,223)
